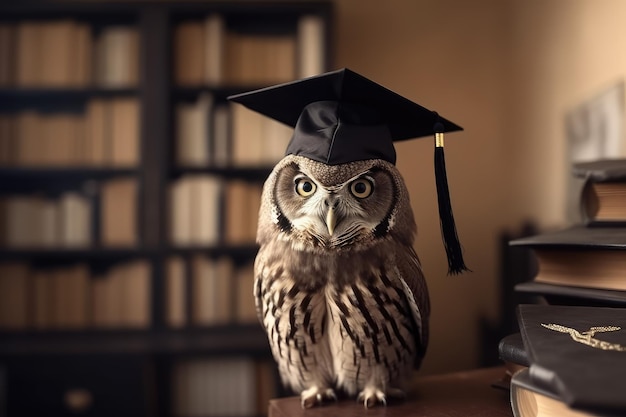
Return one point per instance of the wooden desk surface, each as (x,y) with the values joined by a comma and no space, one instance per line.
(461,394)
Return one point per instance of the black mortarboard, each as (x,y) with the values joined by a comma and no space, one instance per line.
(341,116)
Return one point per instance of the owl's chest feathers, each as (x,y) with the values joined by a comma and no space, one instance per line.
(313,269)
(331,313)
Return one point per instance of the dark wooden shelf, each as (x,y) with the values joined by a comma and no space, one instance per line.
(60,174)
(83,254)
(234,339)
(241,249)
(249,173)
(58,92)
(51,354)
(21,180)
(57,99)
(220,92)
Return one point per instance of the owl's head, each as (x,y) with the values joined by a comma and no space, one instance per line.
(316,206)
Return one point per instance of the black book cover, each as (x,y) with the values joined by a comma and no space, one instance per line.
(577,353)
(577,237)
(511,349)
(571,295)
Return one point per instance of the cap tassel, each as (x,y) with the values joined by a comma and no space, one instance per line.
(456,264)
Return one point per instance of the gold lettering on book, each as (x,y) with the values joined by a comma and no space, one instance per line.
(587,338)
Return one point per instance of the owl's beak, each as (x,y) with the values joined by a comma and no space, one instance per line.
(331,220)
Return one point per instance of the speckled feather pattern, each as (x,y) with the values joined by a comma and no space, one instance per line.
(343,311)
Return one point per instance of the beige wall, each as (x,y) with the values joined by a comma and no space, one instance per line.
(445,55)
(565,52)
(507,71)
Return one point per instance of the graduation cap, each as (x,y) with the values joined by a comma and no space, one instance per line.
(341,116)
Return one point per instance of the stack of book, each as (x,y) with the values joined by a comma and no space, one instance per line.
(217,134)
(208,210)
(74,297)
(213,52)
(584,264)
(571,349)
(202,291)
(65,53)
(42,221)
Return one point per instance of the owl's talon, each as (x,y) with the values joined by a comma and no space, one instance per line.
(331,395)
(371,397)
(316,396)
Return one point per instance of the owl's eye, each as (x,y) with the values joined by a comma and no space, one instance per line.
(305,187)
(362,188)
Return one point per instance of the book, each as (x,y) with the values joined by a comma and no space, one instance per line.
(603,196)
(42,307)
(117,57)
(569,295)
(578,353)
(180,212)
(530,400)
(14,296)
(54,53)
(7,54)
(97,132)
(512,353)
(118,214)
(580,256)
(27,132)
(176,292)
(57,49)
(259,59)
(212,295)
(7,140)
(125,132)
(75,224)
(245,308)
(236,207)
(28,57)
(214,34)
(193,130)
(198,47)
(221,135)
(311,59)
(188,50)
(205,216)
(76,294)
(511,349)
(195,210)
(135,293)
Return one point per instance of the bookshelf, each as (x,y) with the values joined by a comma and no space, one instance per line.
(128,191)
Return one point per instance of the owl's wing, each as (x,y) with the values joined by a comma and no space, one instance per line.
(417,292)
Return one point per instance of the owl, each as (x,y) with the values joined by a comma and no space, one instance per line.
(338,286)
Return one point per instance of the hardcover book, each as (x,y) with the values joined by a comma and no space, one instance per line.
(603,197)
(512,353)
(529,400)
(511,350)
(568,295)
(580,256)
(578,354)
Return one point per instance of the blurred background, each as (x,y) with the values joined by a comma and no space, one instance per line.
(129,186)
